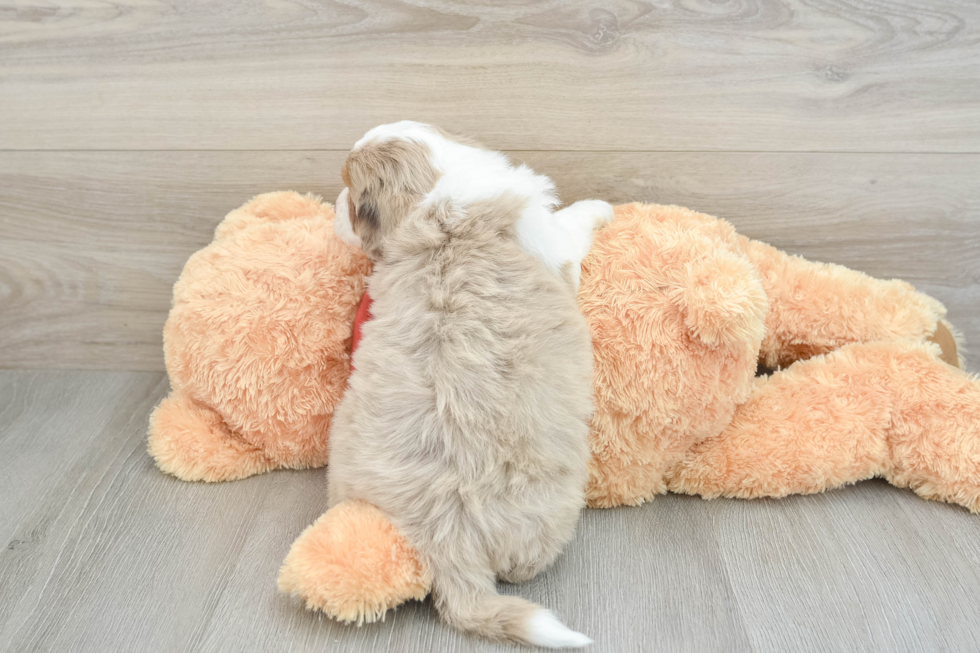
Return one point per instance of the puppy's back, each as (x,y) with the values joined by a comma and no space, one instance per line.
(467,419)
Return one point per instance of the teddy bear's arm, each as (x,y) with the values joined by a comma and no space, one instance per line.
(892,410)
(818,307)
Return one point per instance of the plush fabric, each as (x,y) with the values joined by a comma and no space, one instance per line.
(682,312)
(354,565)
(819,307)
(257,343)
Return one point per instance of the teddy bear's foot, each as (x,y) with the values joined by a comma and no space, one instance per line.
(354,565)
(950,341)
(934,436)
(192,442)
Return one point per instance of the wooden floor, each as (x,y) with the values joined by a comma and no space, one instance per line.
(842,130)
(104,553)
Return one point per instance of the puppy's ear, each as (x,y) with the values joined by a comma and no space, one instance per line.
(366,222)
(386,180)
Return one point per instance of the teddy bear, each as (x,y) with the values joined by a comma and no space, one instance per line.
(722,367)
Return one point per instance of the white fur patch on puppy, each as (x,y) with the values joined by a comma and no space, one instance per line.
(544,629)
(469,174)
(588,214)
(565,236)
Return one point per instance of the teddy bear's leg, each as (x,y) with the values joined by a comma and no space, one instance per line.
(192,442)
(354,565)
(882,409)
(818,307)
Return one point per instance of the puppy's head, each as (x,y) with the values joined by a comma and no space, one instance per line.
(386,175)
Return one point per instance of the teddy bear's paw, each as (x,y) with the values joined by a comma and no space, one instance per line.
(354,565)
(193,443)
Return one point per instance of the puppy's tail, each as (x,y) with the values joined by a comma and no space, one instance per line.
(467,599)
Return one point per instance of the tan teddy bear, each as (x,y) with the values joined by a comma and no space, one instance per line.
(683,312)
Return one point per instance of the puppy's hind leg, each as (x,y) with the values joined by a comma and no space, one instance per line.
(522,559)
(465,596)
(520,573)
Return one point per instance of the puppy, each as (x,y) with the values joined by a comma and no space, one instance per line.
(467,416)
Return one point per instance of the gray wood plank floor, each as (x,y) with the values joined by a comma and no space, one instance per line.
(101,552)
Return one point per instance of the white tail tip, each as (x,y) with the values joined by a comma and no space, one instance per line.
(544,629)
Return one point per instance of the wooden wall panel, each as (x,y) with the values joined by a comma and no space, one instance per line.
(694,75)
(91,242)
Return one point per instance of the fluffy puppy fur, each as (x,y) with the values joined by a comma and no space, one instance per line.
(394,167)
(466,420)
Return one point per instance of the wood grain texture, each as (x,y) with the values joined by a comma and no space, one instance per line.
(91,242)
(878,551)
(769,75)
(101,552)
